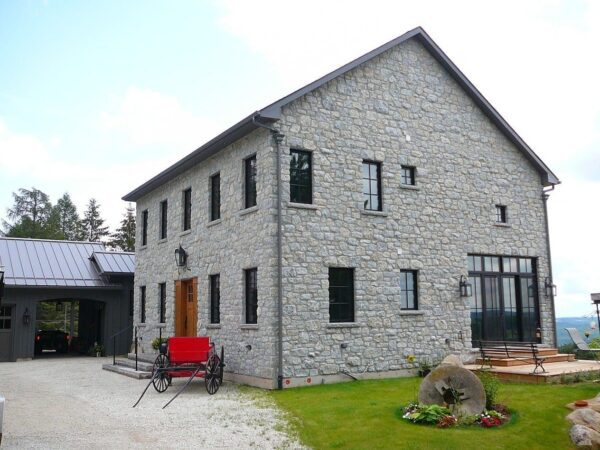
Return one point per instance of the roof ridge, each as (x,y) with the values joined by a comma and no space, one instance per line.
(9,238)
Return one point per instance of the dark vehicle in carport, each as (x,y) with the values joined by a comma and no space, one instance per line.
(51,340)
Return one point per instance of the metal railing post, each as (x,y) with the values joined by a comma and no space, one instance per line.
(114,350)
(136,348)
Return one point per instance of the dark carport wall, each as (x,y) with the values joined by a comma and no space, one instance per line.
(42,270)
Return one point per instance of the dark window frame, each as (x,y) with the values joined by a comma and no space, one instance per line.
(301,192)
(501,214)
(142,304)
(144,227)
(6,312)
(408,175)
(162,302)
(379,195)
(250,181)
(404,274)
(215,196)
(187,209)
(251,295)
(215,298)
(163,219)
(342,291)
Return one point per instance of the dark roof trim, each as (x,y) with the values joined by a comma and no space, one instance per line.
(273,113)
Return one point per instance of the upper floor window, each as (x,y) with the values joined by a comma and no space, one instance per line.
(407,175)
(215,298)
(162,302)
(187,209)
(408,289)
(250,182)
(341,294)
(501,214)
(145,227)
(142,304)
(215,197)
(162,229)
(300,176)
(372,185)
(251,301)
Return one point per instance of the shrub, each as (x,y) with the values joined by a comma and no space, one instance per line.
(157,341)
(429,414)
(446,422)
(491,386)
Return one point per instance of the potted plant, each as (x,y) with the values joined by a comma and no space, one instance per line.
(98,349)
(157,341)
(424,368)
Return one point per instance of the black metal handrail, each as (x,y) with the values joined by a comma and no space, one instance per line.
(114,338)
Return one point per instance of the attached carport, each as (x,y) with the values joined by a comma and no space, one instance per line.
(63,271)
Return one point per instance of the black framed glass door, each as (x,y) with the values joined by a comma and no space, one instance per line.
(504,303)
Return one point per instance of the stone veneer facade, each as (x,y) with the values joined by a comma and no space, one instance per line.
(399,108)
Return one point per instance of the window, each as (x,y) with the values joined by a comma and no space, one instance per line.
(5,317)
(250,182)
(162,302)
(187,209)
(215,298)
(251,295)
(341,295)
(500,214)
(372,185)
(407,175)
(408,289)
(215,197)
(300,176)
(145,227)
(142,304)
(162,228)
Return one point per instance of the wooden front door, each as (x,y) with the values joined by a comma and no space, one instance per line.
(186,307)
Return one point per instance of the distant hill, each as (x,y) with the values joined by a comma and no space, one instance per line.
(581,323)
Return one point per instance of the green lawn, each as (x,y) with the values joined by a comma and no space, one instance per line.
(363,415)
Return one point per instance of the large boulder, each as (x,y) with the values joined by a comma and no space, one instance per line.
(586,417)
(451,360)
(584,437)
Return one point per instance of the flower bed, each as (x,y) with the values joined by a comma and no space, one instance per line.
(442,417)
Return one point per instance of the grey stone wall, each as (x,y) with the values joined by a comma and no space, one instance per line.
(241,239)
(400,108)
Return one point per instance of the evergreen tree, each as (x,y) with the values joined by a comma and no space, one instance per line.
(32,216)
(92,223)
(67,218)
(124,237)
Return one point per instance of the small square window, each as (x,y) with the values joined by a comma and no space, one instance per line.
(500,214)
(407,175)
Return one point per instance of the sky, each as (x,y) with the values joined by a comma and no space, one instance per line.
(96,97)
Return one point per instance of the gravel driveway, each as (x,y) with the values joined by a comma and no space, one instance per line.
(63,403)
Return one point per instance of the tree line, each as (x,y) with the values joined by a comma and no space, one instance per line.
(33,215)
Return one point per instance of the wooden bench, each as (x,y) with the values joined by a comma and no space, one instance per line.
(522,351)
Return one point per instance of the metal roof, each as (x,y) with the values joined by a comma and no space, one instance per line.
(40,262)
(272,113)
(114,263)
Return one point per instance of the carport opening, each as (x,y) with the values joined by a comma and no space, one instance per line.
(69,326)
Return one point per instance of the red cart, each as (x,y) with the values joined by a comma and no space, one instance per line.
(191,357)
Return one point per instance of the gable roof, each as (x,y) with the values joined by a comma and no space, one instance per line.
(114,263)
(272,113)
(48,263)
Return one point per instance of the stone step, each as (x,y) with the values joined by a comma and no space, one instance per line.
(130,363)
(128,372)
(145,357)
(510,362)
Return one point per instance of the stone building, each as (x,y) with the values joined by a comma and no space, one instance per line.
(384,211)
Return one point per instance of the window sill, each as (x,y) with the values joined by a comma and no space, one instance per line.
(143,247)
(250,210)
(186,232)
(213,326)
(410,187)
(213,223)
(366,212)
(503,225)
(408,312)
(343,325)
(249,326)
(162,241)
(302,205)
(142,325)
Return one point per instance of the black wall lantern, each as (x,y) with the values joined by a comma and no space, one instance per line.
(26,317)
(465,287)
(549,287)
(180,256)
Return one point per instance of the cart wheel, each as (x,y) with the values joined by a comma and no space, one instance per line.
(161,381)
(211,378)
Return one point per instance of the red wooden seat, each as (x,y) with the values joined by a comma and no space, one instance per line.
(189,350)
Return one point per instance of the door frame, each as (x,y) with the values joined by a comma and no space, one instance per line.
(182,316)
